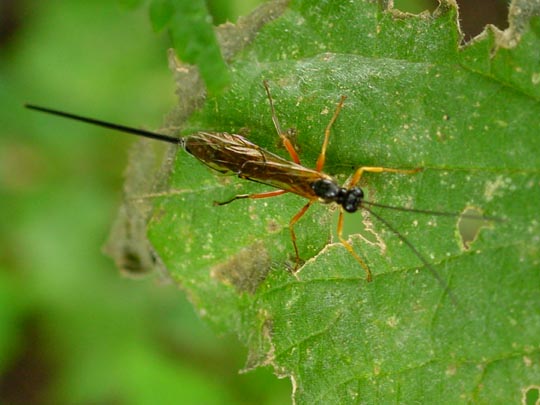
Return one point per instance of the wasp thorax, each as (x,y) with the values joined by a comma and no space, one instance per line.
(327,190)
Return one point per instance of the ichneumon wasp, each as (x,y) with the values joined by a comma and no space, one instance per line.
(234,154)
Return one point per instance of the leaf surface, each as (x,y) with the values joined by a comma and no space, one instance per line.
(469,117)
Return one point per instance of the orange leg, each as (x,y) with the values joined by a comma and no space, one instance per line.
(267,194)
(358,174)
(286,141)
(322,156)
(354,180)
(293,221)
(348,246)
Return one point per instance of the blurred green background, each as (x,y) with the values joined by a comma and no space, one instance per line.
(72,329)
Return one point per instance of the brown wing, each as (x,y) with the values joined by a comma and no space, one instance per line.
(231,153)
(221,151)
(283,174)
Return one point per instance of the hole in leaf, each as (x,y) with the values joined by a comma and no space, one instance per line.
(473,15)
(531,395)
(469,225)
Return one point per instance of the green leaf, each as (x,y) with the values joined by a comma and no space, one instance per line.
(414,99)
(192,33)
(161,12)
(130,4)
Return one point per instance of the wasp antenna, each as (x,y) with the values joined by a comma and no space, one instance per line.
(109,125)
(426,263)
(437,213)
